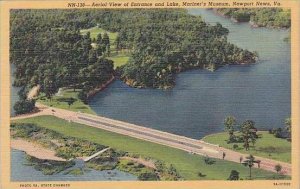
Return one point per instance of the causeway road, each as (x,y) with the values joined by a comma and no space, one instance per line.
(190,145)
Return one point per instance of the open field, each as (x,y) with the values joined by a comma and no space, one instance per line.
(120,58)
(187,165)
(61,101)
(95,31)
(267,145)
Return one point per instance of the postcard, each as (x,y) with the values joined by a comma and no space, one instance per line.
(150,94)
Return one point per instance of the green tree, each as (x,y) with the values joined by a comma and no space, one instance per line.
(248,131)
(92,56)
(106,43)
(288,124)
(249,162)
(86,43)
(49,87)
(99,39)
(70,101)
(230,123)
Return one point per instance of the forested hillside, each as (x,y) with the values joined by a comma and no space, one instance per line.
(47,48)
(260,17)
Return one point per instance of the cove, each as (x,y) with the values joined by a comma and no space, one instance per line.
(200,101)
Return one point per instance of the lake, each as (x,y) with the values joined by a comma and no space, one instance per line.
(200,101)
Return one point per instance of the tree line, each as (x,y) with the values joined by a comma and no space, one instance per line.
(261,17)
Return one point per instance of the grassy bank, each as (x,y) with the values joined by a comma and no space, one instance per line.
(64,147)
(267,145)
(62,101)
(187,165)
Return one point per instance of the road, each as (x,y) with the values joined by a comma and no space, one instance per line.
(176,141)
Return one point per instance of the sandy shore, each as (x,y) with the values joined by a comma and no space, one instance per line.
(34,150)
(33,92)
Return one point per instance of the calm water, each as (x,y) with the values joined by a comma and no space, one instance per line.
(14,97)
(200,101)
(21,172)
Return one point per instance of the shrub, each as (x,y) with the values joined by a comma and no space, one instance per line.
(277,132)
(235,146)
(148,176)
(140,165)
(270,131)
(209,161)
(83,97)
(234,175)
(24,106)
(201,174)
(24,130)
(130,163)
(278,168)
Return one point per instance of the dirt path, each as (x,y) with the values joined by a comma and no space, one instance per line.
(34,149)
(33,92)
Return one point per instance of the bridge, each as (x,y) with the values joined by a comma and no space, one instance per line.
(95,155)
(189,145)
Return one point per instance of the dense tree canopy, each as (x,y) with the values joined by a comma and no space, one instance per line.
(262,17)
(48,49)
(165,42)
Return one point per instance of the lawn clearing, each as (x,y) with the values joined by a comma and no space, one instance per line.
(61,101)
(94,31)
(267,145)
(187,165)
(119,58)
